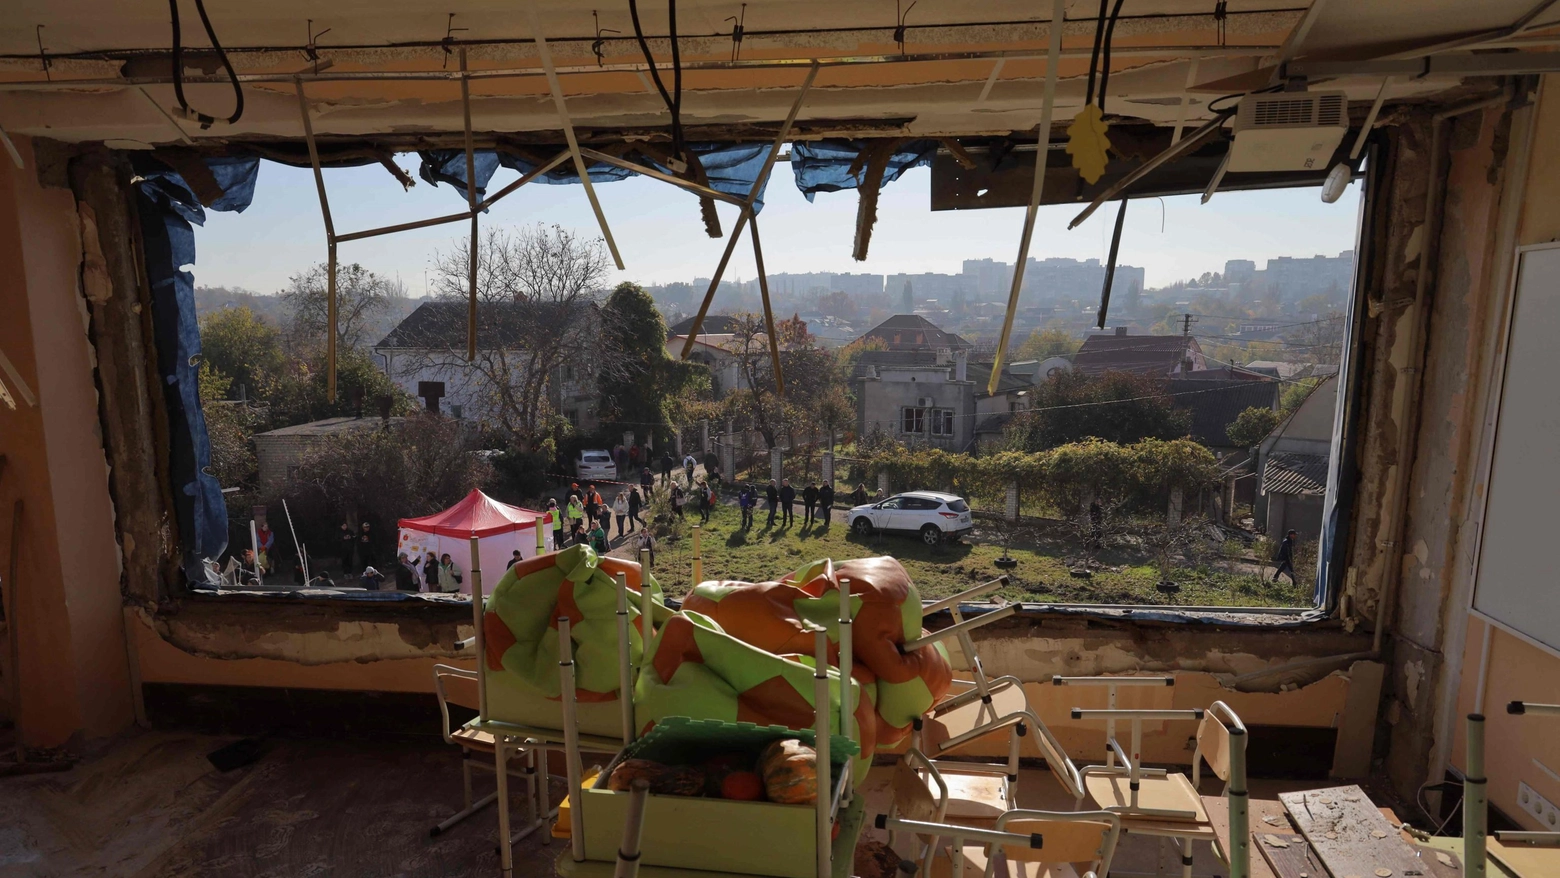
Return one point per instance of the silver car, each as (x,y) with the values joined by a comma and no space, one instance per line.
(595,464)
(932,515)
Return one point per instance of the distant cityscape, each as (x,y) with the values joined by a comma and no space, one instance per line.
(1058,292)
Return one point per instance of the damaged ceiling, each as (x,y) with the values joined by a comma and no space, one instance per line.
(83,70)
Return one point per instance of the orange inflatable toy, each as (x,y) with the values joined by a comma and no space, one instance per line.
(886,612)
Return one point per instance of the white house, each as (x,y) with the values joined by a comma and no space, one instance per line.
(1294,462)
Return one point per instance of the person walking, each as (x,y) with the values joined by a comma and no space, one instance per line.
(647,482)
(1284,558)
(688,464)
(634,505)
(620,509)
(746,500)
(706,502)
(858,497)
(348,546)
(678,498)
(666,466)
(450,576)
(633,457)
(574,491)
(772,497)
(787,501)
(365,545)
(598,538)
(825,502)
(592,504)
(646,543)
(809,503)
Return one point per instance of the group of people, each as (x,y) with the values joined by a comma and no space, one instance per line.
(585,518)
(431,573)
(817,503)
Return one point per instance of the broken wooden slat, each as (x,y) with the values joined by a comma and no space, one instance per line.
(1261,812)
(1351,837)
(1527,861)
(1287,855)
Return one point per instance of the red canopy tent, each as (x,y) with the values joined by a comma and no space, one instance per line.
(500,529)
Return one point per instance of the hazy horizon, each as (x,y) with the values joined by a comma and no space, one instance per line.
(662,239)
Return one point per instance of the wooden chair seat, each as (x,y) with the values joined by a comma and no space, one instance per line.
(941,727)
(471,739)
(975,867)
(975,796)
(1173,792)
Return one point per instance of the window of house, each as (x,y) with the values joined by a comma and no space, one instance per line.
(912,420)
(941,421)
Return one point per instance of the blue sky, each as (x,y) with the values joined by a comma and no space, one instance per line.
(662,239)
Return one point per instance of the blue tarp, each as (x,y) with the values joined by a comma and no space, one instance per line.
(167,209)
(824,165)
(818,166)
(731,168)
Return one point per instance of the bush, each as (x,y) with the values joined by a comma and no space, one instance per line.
(1251,426)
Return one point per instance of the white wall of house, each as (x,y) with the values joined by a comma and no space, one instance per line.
(574,397)
(920,405)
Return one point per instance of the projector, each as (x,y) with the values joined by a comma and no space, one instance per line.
(1288,131)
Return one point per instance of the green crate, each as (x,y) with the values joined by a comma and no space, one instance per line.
(719,835)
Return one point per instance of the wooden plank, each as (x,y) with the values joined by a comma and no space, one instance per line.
(1266,815)
(1350,836)
(1357,726)
(1287,855)
(1527,861)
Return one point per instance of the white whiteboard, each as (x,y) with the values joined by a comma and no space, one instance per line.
(1518,583)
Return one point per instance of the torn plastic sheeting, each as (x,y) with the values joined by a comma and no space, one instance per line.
(168,208)
(731,168)
(834,165)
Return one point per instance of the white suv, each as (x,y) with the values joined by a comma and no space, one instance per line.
(595,464)
(934,516)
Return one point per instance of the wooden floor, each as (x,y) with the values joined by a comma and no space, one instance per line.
(150,806)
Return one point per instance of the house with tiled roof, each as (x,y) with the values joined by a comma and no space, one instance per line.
(1122,351)
(1293,465)
(912,332)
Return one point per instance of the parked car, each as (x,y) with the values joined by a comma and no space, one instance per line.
(595,463)
(934,516)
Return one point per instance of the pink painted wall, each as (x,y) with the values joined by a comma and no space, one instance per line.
(74,666)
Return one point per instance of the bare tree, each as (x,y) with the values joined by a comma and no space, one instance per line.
(361,295)
(539,291)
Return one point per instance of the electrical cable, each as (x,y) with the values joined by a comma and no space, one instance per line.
(178,66)
(1110,34)
(673,105)
(1094,56)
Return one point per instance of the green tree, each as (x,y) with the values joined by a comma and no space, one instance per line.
(361,295)
(642,388)
(1053,341)
(1251,426)
(1119,407)
(242,347)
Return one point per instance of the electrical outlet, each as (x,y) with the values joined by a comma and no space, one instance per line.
(1539,808)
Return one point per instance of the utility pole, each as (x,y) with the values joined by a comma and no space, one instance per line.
(1186,323)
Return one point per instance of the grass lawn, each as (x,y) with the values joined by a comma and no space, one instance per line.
(1042,575)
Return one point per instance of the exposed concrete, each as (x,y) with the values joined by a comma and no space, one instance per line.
(119,301)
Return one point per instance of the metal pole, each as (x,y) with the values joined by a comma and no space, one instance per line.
(471,205)
(825,822)
(745,215)
(476,621)
(330,240)
(633,825)
(541,537)
(1240,813)
(545,54)
(625,666)
(571,740)
(847,718)
(254,550)
(1475,801)
(1053,61)
(303,554)
(698,560)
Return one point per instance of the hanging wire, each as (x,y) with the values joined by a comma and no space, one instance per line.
(673,105)
(737,31)
(1110,33)
(597,45)
(43,58)
(899,23)
(178,66)
(449,39)
(1094,56)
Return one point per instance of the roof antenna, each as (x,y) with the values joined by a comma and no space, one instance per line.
(596,47)
(899,31)
(449,39)
(38,32)
(737,32)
